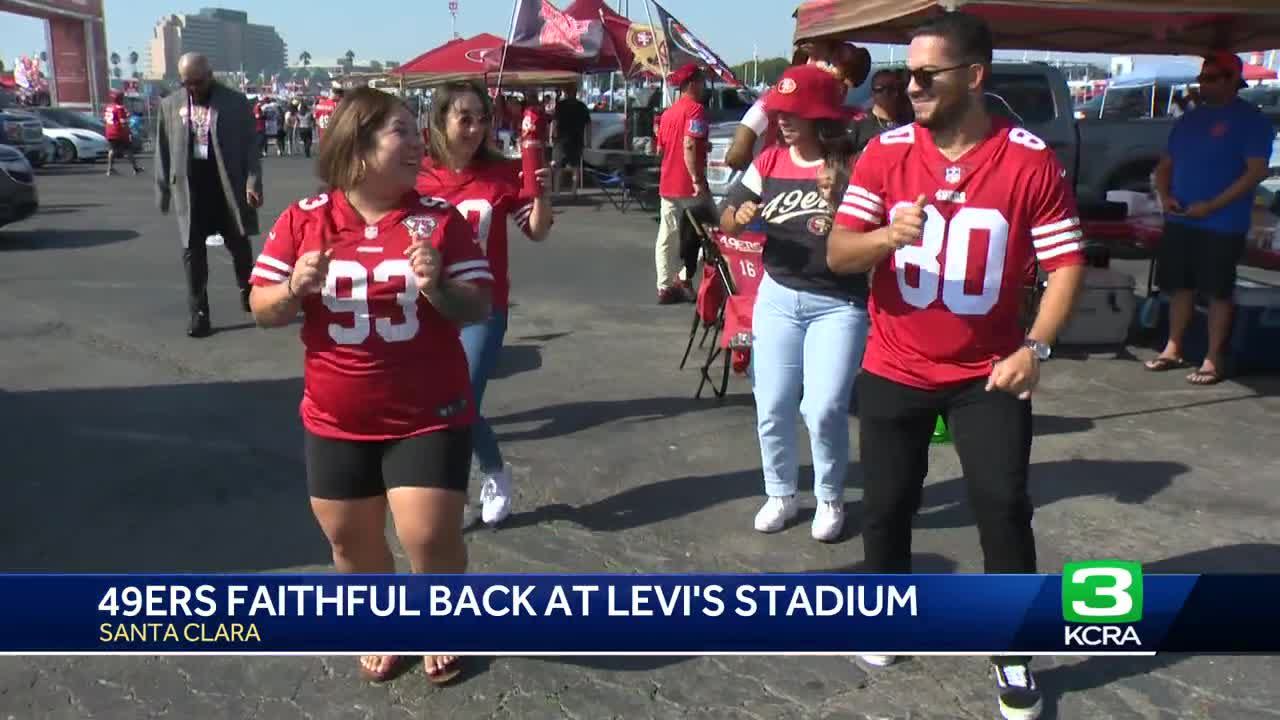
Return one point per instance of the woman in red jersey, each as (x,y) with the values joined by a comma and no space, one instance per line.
(383,278)
(463,168)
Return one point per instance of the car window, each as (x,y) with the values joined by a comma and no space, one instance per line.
(1027,95)
(1127,103)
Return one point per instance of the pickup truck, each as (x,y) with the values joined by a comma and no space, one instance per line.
(23,131)
(1099,155)
(724,104)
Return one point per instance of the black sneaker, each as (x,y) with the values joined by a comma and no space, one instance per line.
(199,326)
(1019,694)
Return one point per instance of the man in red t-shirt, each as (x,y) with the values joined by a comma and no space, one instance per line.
(115,119)
(949,214)
(682,185)
(325,108)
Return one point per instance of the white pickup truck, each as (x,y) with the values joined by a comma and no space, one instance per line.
(1100,155)
(725,104)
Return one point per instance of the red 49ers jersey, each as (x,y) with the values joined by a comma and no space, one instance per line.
(486,194)
(323,112)
(946,308)
(381,362)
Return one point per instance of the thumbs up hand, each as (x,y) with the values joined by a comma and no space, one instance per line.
(908,224)
(424,260)
(311,271)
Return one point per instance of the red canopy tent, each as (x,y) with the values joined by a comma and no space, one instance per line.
(1257,72)
(475,58)
(1163,27)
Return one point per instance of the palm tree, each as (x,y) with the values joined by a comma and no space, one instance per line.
(133,61)
(305,58)
(351,60)
(115,72)
(115,58)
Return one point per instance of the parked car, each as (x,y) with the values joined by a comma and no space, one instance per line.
(73,144)
(724,104)
(1099,155)
(18,199)
(22,130)
(78,119)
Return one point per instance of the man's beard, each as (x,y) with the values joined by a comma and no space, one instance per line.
(947,116)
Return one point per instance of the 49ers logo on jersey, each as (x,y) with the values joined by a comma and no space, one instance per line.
(420,227)
(819,224)
(796,203)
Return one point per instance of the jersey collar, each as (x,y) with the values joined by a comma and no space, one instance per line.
(346,218)
(953,174)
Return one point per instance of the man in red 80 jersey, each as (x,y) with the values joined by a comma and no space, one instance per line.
(951,214)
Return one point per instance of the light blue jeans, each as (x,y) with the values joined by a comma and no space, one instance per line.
(483,345)
(806,342)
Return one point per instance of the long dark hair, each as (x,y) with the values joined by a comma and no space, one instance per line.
(441,100)
(837,151)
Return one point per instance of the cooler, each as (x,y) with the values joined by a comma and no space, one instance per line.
(1254,343)
(1104,311)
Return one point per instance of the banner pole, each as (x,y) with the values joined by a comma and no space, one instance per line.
(661,64)
(502,64)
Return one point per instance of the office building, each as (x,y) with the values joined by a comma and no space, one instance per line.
(226,37)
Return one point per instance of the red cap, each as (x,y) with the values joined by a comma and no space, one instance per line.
(684,74)
(1228,62)
(809,92)
(117,96)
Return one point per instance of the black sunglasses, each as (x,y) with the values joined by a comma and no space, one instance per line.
(924,78)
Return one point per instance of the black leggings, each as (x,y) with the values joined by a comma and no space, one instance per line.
(992,434)
(352,469)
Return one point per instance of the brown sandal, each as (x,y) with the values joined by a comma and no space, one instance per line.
(446,673)
(389,669)
(1164,364)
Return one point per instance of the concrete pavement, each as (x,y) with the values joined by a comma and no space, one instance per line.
(130,447)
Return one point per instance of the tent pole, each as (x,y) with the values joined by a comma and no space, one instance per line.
(661,65)
(515,8)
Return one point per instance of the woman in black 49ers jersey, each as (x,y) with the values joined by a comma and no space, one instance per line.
(382,277)
(809,325)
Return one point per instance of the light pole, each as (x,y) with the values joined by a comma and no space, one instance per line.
(453,11)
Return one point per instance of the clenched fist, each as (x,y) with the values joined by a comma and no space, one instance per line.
(310,272)
(908,224)
(746,212)
(424,260)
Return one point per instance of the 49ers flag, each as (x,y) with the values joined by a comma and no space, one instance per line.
(682,48)
(542,26)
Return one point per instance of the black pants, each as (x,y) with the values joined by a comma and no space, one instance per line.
(304,134)
(690,244)
(209,216)
(992,434)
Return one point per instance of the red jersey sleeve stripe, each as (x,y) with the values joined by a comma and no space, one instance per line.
(473,275)
(466,265)
(1059,250)
(268,275)
(274,263)
(1052,240)
(863,203)
(855,190)
(861,214)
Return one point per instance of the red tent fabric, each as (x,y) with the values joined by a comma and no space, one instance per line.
(1257,72)
(454,57)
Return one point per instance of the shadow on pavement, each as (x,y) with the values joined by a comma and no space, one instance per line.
(1099,672)
(204,477)
(516,359)
(568,418)
(62,239)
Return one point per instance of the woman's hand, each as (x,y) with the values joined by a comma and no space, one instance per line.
(424,260)
(310,273)
(746,213)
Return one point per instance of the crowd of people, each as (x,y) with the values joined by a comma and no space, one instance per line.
(400,271)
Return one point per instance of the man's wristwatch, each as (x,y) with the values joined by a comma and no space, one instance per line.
(1041,350)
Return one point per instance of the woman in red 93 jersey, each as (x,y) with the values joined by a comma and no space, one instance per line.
(463,168)
(383,278)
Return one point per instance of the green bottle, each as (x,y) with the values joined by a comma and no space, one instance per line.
(941,434)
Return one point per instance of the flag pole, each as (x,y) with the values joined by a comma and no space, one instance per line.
(661,65)
(502,64)
(626,89)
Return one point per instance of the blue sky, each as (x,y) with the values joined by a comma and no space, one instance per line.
(401,29)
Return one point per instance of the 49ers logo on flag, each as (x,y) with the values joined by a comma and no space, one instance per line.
(786,86)
(560,29)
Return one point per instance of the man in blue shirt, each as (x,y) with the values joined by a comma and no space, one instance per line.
(1216,158)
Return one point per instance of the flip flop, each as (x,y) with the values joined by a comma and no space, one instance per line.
(1164,364)
(1205,377)
(394,668)
(445,674)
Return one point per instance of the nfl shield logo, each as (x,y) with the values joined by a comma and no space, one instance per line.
(953,174)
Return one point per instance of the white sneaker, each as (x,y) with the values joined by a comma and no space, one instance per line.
(495,497)
(880,661)
(776,513)
(828,521)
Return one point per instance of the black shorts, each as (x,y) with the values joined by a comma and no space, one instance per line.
(567,154)
(121,146)
(351,469)
(1192,258)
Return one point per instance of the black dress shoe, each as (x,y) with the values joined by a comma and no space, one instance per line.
(244,300)
(199,327)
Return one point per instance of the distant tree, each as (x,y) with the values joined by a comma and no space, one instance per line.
(391,64)
(375,66)
(115,72)
(305,58)
(350,57)
(770,70)
(115,58)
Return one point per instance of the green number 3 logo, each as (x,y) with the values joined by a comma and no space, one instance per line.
(1102,591)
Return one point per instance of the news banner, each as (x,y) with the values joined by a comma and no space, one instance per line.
(1101,607)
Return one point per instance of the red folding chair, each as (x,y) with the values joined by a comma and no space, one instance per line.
(726,299)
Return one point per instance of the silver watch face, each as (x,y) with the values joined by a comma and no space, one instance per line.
(1041,350)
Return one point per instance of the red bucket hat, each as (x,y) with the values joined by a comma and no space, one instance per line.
(684,74)
(809,92)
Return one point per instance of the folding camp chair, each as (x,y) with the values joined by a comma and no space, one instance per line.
(715,288)
(614,185)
